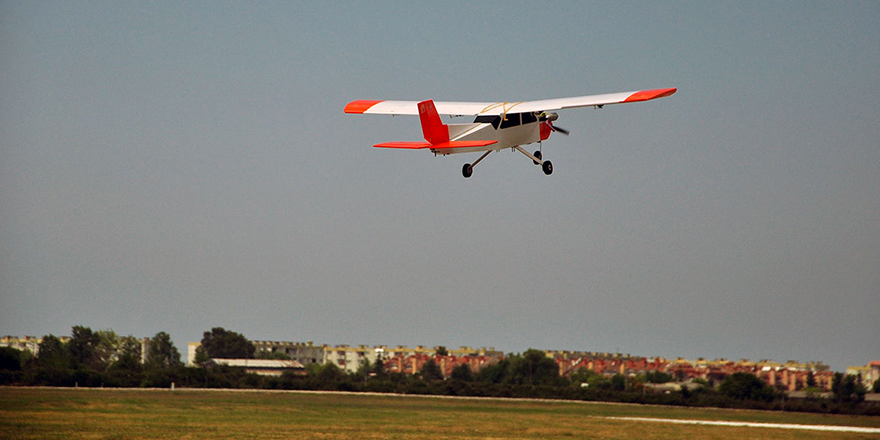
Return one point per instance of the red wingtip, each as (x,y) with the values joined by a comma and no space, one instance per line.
(360,106)
(646,95)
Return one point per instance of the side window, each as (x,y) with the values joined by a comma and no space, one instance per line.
(528,118)
(489,119)
(510,120)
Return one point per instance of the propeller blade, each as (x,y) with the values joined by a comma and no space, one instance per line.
(561,130)
(549,118)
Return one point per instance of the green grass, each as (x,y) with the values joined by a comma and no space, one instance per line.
(44,413)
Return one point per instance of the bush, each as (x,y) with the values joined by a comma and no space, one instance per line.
(10,359)
(9,377)
(658,377)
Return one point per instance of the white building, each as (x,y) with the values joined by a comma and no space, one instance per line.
(263,367)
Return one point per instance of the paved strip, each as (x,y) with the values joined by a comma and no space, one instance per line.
(754,424)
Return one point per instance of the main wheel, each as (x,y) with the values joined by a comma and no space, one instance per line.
(467,170)
(548,167)
(538,155)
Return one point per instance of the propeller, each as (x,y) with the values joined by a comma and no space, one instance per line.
(559,129)
(548,119)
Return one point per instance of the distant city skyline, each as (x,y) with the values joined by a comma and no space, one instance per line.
(30,342)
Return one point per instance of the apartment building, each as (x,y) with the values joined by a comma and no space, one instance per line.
(867,374)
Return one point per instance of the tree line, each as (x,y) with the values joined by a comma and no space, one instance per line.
(104,359)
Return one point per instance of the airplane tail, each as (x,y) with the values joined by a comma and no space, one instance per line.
(435,131)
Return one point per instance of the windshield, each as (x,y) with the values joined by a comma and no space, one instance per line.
(489,119)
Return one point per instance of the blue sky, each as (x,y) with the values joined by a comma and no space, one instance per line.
(175,167)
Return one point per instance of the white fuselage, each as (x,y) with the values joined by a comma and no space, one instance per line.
(512,131)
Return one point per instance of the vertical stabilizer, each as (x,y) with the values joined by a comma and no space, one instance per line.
(432,127)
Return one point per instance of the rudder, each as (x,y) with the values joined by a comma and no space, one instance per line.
(432,127)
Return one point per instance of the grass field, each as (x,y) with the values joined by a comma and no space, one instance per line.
(48,413)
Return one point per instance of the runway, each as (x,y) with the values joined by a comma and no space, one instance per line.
(830,428)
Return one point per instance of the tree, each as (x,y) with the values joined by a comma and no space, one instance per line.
(378,367)
(83,347)
(618,382)
(442,351)
(53,365)
(746,386)
(811,379)
(586,377)
(162,354)
(220,343)
(276,355)
(847,388)
(431,371)
(462,372)
(201,356)
(129,354)
(126,369)
(329,373)
(53,353)
(534,368)
(107,348)
(495,373)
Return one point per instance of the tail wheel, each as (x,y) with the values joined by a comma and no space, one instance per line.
(538,155)
(547,167)
(467,170)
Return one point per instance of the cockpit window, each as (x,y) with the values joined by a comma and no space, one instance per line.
(489,119)
(510,120)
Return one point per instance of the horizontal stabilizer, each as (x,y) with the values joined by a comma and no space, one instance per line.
(440,146)
(461,144)
(406,145)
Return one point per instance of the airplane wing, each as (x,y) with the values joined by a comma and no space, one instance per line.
(383,107)
(411,107)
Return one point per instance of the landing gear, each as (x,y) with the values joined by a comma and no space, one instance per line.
(537,160)
(467,170)
(545,164)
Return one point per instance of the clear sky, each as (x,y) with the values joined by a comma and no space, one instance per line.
(178,166)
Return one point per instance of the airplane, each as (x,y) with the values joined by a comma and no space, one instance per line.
(497,126)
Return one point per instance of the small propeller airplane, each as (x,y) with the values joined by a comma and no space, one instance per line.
(498,125)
